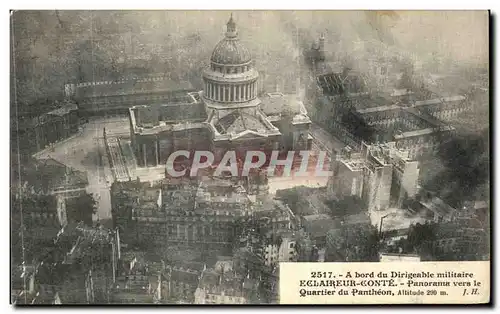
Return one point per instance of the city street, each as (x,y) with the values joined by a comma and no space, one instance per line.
(86,152)
(325,140)
(394,218)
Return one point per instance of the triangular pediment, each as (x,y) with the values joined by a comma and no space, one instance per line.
(248,134)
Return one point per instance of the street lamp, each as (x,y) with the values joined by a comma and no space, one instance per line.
(382,220)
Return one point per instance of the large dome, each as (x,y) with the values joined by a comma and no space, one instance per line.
(231,79)
(230,51)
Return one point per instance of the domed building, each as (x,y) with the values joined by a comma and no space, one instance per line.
(229,114)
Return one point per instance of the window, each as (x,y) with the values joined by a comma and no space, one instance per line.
(291,245)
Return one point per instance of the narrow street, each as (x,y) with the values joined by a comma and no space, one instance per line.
(86,152)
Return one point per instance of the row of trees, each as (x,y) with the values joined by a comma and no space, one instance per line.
(352,243)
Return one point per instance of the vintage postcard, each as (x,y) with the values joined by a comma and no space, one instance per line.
(250,157)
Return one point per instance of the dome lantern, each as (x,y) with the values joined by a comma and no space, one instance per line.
(231,28)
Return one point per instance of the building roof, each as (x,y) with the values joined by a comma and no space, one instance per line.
(185,275)
(48,117)
(421,132)
(361,218)
(319,225)
(388,257)
(61,175)
(430,120)
(167,117)
(220,283)
(130,87)
(197,266)
(401,92)
(209,278)
(278,103)
(240,123)
(438,206)
(237,122)
(67,108)
(379,108)
(439,100)
(183,112)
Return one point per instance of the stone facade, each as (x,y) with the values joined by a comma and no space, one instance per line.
(226,115)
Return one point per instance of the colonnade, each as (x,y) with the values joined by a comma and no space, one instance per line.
(230,92)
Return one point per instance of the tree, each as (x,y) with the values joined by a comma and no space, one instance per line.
(464,168)
(420,239)
(348,205)
(407,78)
(352,243)
(81,208)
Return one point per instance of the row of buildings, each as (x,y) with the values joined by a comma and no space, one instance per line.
(414,112)
(200,212)
(381,175)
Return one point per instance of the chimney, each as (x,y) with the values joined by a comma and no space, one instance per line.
(321,47)
(159,286)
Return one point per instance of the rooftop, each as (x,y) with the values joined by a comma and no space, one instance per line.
(354,164)
(46,117)
(319,225)
(421,132)
(379,108)
(277,103)
(439,100)
(438,206)
(239,121)
(389,257)
(130,87)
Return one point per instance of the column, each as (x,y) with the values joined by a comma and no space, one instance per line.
(37,138)
(144,155)
(223,93)
(239,92)
(245,91)
(186,229)
(156,152)
(178,231)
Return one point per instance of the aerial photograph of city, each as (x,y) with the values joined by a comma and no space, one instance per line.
(178,157)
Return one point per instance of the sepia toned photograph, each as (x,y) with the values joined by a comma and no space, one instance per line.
(255,157)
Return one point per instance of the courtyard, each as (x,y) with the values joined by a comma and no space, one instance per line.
(86,152)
